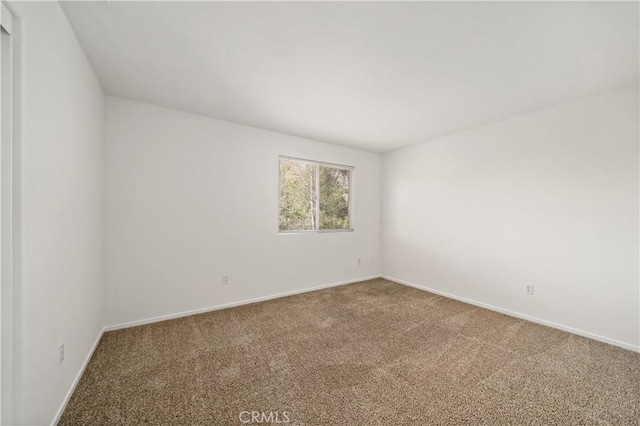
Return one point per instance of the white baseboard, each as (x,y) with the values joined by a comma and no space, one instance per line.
(309,289)
(67,397)
(232,304)
(568,329)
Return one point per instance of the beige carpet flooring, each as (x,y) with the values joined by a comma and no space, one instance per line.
(371,353)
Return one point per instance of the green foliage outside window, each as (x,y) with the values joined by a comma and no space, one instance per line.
(313,197)
(334,198)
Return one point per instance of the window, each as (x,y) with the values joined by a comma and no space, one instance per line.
(315,196)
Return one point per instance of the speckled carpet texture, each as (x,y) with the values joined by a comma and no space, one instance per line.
(371,353)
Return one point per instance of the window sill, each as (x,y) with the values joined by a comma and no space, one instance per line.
(320,231)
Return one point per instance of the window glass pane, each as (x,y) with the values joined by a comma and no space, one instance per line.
(334,198)
(297,196)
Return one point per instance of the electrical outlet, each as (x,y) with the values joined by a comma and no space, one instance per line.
(61,352)
(225,280)
(359,261)
(528,289)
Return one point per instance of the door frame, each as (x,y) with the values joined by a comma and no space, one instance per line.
(10,132)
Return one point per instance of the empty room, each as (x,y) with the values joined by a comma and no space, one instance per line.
(320,213)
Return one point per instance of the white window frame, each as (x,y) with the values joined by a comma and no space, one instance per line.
(351,205)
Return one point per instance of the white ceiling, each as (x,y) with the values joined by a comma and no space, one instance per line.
(376,76)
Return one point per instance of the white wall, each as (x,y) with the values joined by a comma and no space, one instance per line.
(549,199)
(190,199)
(62,174)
